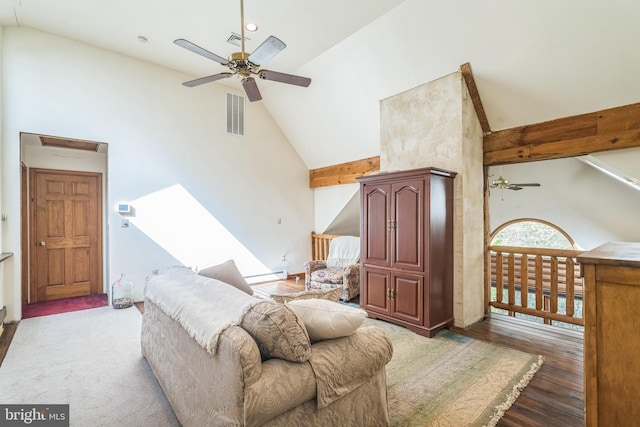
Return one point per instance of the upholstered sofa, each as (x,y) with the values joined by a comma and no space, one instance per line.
(225,358)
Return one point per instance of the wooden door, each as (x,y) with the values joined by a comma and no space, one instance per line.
(408,224)
(66,234)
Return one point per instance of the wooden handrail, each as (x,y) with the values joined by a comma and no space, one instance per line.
(551,274)
(536,251)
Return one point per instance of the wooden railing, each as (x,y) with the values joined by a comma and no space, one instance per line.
(548,275)
(320,245)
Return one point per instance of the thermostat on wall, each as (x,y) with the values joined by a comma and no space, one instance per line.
(124,208)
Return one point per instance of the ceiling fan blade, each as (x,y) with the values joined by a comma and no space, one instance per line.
(208,79)
(200,51)
(251,88)
(267,50)
(285,78)
(513,187)
(532,184)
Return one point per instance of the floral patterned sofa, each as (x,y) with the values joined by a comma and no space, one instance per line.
(226,358)
(341,269)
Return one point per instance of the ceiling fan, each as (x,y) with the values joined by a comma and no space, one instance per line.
(245,65)
(505,184)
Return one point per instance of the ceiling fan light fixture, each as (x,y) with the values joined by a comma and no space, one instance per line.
(245,65)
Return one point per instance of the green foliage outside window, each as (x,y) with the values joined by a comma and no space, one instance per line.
(531,234)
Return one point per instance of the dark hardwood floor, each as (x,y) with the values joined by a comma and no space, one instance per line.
(554,397)
(6,337)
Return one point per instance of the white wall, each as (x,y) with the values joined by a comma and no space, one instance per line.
(4,281)
(329,202)
(168,155)
(592,207)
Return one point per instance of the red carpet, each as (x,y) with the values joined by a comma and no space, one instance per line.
(64,305)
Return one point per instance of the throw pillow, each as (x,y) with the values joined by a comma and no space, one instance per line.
(331,294)
(326,320)
(227,272)
(277,332)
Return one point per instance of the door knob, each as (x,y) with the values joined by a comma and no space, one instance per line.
(42,244)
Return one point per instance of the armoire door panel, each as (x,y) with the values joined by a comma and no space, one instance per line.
(376,226)
(407,298)
(407,216)
(375,292)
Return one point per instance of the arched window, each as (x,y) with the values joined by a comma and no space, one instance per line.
(532,233)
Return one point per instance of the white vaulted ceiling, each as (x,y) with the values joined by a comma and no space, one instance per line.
(533,60)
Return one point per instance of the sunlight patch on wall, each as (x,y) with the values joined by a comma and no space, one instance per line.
(179,224)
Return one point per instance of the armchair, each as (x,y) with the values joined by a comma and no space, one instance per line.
(340,270)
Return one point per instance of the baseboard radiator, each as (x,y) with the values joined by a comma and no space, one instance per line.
(266,277)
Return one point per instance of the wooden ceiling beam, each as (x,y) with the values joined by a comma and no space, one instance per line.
(467,73)
(344,173)
(604,130)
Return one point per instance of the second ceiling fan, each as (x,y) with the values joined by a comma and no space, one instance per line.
(504,184)
(246,65)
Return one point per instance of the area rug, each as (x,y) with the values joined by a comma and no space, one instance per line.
(64,305)
(451,380)
(91,360)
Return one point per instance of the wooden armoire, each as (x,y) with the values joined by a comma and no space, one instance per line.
(406,258)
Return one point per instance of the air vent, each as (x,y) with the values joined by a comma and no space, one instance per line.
(235,39)
(235,114)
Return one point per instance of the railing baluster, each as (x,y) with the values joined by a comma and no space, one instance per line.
(511,280)
(539,300)
(499,275)
(570,286)
(554,285)
(524,280)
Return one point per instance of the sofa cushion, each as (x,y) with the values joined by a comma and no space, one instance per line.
(227,272)
(326,320)
(331,294)
(277,331)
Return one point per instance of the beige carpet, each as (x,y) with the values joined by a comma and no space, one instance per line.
(91,360)
(451,380)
